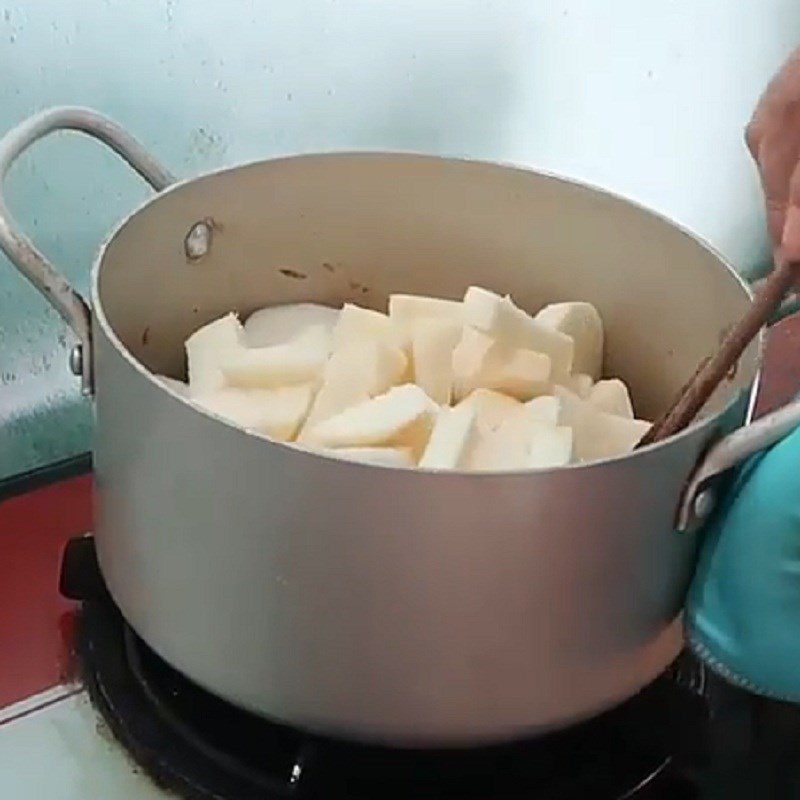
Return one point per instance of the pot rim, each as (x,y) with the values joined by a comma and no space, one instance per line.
(699,425)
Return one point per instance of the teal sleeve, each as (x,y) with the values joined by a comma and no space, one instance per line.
(743,608)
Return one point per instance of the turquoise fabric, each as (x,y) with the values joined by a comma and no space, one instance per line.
(743,608)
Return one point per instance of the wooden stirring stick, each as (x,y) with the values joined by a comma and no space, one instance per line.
(711,371)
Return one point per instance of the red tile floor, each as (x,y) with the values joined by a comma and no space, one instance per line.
(36,624)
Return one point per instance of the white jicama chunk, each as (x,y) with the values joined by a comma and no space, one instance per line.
(498,451)
(407,308)
(353,374)
(597,434)
(550,447)
(299,361)
(523,375)
(580,321)
(432,344)
(382,456)
(469,357)
(179,387)
(500,319)
(402,417)
(480,362)
(545,409)
(612,396)
(357,324)
(275,412)
(491,408)
(494,315)
(208,349)
(580,383)
(281,324)
(523,442)
(452,439)
(506,447)
(407,311)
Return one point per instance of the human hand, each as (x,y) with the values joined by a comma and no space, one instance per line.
(773,138)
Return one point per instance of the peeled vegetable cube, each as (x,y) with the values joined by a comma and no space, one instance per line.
(357,325)
(550,447)
(407,311)
(596,433)
(500,319)
(480,362)
(612,396)
(504,448)
(582,323)
(580,383)
(469,357)
(452,439)
(382,456)
(209,349)
(402,417)
(407,308)
(494,315)
(545,409)
(281,324)
(299,361)
(523,374)
(523,442)
(432,345)
(275,412)
(353,374)
(491,408)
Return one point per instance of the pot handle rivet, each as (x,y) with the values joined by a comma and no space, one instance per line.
(198,241)
(726,454)
(704,504)
(76,360)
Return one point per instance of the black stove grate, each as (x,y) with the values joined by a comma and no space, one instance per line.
(201,747)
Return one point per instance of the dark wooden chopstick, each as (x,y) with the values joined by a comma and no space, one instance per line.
(712,371)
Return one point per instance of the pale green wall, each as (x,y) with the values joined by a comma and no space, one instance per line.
(646,97)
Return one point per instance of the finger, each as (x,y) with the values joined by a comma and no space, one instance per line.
(777,158)
(790,238)
(753,134)
(776,221)
(775,197)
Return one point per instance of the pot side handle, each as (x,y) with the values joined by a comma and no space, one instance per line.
(697,501)
(21,251)
(698,498)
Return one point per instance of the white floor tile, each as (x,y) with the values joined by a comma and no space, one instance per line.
(65,752)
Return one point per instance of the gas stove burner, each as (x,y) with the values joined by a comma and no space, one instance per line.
(201,747)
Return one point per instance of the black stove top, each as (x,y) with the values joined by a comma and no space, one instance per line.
(685,736)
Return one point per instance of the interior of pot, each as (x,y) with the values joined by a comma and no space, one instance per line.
(357,227)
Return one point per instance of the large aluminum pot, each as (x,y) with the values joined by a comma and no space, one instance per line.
(377,603)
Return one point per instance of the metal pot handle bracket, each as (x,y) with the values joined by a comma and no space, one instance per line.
(20,249)
(699,496)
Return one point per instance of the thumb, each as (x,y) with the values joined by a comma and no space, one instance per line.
(790,237)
